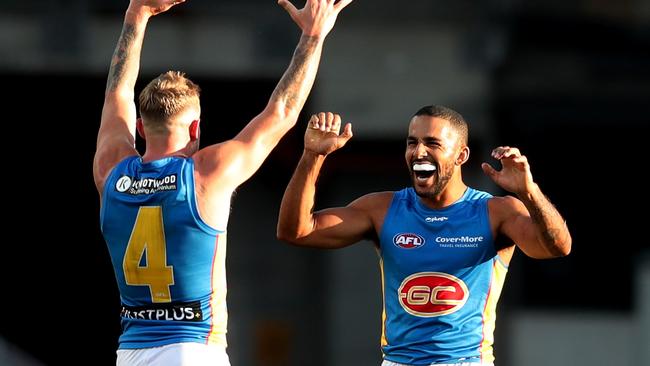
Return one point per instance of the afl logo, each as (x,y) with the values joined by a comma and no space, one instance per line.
(408,241)
(123,183)
(429,294)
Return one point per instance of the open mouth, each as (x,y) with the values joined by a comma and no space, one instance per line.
(423,171)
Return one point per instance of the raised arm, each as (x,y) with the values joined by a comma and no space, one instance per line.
(531,221)
(236,160)
(116,137)
(329,228)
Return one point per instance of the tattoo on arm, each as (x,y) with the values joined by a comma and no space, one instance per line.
(292,87)
(547,217)
(120,56)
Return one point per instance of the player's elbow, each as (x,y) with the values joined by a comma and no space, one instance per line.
(283,235)
(560,247)
(293,235)
(119,95)
(291,240)
(287,234)
(564,248)
(284,113)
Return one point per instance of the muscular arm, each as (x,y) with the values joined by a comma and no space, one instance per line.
(234,161)
(329,228)
(531,221)
(125,63)
(290,94)
(116,137)
(552,235)
(285,104)
(334,227)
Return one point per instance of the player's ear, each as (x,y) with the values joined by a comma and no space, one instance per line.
(194,130)
(463,156)
(139,125)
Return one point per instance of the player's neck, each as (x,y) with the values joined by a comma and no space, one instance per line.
(450,195)
(164,147)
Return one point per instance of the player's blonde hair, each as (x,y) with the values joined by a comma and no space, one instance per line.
(166,96)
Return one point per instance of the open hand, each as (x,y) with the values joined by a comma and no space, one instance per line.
(317,17)
(515,175)
(153,7)
(322,135)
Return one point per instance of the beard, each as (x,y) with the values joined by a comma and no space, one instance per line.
(441,181)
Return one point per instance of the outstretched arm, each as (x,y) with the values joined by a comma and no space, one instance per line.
(236,160)
(531,221)
(116,137)
(330,228)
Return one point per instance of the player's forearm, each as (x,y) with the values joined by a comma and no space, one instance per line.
(292,91)
(296,210)
(125,63)
(553,233)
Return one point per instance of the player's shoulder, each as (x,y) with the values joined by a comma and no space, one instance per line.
(504,206)
(473,194)
(214,166)
(374,200)
(504,201)
(105,165)
(207,156)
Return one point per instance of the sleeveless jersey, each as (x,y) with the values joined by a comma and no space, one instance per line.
(441,280)
(169,264)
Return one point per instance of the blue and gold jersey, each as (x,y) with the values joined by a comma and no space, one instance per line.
(169,264)
(441,279)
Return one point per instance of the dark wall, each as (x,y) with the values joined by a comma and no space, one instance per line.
(58,270)
(573,95)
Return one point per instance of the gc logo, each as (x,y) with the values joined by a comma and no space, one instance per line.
(429,294)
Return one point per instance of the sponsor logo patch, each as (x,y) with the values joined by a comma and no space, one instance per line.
(459,242)
(431,294)
(134,187)
(408,240)
(180,311)
(436,219)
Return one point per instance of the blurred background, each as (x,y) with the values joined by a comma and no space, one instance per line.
(568,82)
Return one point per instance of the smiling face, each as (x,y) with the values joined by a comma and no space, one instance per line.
(434,153)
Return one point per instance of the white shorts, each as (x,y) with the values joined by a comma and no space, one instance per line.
(176,354)
(391,363)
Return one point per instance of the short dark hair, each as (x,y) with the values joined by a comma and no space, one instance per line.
(455,119)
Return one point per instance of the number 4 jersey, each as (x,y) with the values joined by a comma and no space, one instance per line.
(169,264)
(441,281)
